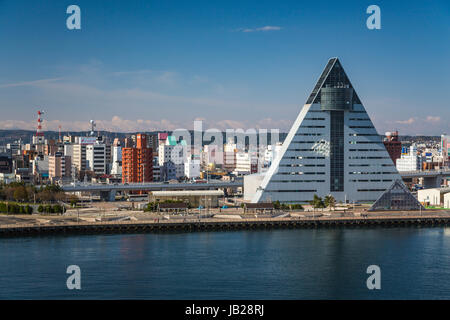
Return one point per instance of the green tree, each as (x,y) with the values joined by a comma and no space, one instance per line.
(329,201)
(296,206)
(276,205)
(20,193)
(73,200)
(28,209)
(317,202)
(13,208)
(58,209)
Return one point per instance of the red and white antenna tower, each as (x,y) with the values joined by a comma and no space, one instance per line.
(39,137)
(39,125)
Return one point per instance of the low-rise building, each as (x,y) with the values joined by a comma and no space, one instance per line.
(6,163)
(7,178)
(432,196)
(196,198)
(447,200)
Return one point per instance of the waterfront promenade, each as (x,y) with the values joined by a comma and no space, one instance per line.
(22,226)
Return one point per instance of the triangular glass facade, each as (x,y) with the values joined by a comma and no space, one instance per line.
(332,148)
(397,197)
(332,76)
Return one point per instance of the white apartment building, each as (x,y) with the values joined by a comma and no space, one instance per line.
(96,158)
(271,153)
(171,151)
(229,156)
(212,155)
(116,167)
(411,161)
(192,168)
(246,163)
(79,157)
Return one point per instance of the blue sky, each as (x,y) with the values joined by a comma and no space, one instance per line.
(145,65)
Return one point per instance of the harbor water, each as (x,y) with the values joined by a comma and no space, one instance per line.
(319,263)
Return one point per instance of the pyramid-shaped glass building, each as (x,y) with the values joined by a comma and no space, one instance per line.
(397,197)
(332,148)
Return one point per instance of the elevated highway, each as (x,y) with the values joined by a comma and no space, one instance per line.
(431,178)
(108,191)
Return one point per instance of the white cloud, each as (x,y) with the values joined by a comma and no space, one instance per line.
(168,78)
(409,121)
(433,119)
(261,29)
(135,72)
(29,83)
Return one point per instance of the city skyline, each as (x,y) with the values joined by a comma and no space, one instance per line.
(235,65)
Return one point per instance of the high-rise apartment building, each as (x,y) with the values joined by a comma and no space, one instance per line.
(137,162)
(79,157)
(96,158)
(59,166)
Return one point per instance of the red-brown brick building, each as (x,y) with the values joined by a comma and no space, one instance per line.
(137,162)
(393,146)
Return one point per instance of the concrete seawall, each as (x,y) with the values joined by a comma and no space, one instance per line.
(217,225)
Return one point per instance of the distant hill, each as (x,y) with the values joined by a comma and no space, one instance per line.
(8,136)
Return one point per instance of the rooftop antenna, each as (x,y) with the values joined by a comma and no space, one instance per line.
(93,125)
